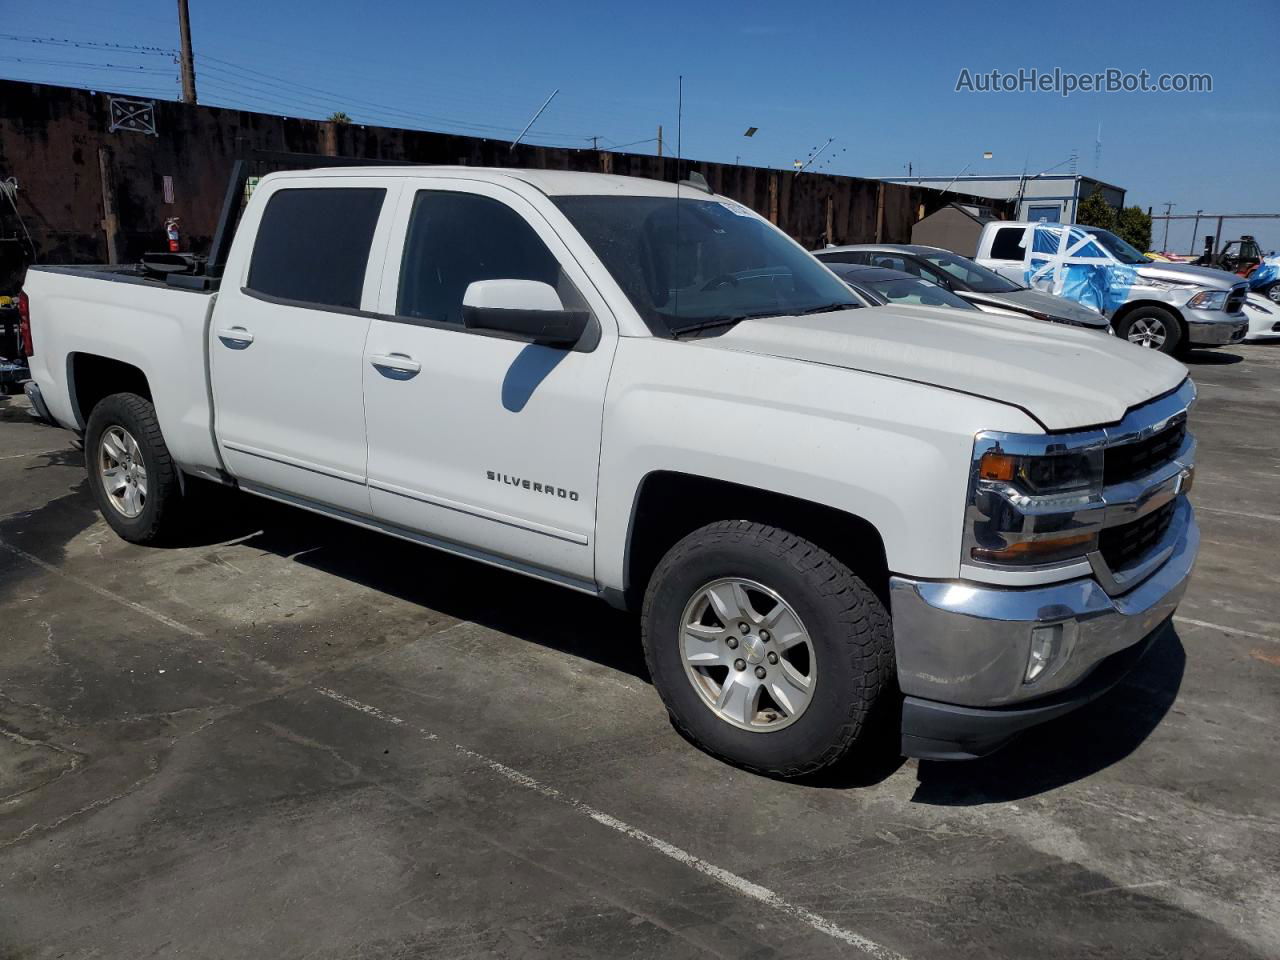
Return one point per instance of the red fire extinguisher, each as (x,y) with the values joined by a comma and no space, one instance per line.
(171,228)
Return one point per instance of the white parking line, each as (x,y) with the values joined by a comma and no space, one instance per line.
(739,885)
(1233,630)
(1236,513)
(33,453)
(123,601)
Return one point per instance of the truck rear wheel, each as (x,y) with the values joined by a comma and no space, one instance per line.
(133,478)
(1153,328)
(767,651)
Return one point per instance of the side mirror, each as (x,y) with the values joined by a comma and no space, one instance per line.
(527,309)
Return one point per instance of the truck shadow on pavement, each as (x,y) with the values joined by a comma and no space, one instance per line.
(1209,358)
(520,606)
(1044,758)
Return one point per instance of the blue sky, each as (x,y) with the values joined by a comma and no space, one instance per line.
(878,78)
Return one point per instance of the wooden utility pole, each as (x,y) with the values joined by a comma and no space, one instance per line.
(110,215)
(659,139)
(188,65)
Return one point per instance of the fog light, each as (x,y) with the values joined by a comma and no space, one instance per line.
(1046,642)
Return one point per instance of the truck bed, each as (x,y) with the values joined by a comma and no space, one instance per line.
(82,316)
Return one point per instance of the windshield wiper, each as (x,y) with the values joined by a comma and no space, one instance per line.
(826,308)
(717,322)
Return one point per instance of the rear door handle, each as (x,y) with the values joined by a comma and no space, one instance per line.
(237,338)
(396,363)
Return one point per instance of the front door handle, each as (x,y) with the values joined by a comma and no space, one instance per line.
(397,365)
(237,338)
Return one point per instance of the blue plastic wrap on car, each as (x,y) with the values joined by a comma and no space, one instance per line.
(1267,272)
(1066,262)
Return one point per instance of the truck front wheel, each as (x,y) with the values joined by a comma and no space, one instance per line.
(1153,328)
(767,651)
(133,478)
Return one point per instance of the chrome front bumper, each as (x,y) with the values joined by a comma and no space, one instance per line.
(1213,328)
(966,645)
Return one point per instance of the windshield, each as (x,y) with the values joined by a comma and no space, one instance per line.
(729,265)
(971,276)
(1118,248)
(918,291)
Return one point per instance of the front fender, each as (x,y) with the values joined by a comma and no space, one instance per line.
(892,452)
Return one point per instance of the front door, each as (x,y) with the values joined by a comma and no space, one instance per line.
(486,442)
(286,345)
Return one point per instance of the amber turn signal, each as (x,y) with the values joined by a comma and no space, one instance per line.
(997,466)
(1039,551)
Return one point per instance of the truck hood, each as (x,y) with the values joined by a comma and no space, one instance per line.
(1041,302)
(1067,378)
(1186,273)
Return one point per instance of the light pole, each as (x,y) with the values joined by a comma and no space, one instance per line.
(1168,208)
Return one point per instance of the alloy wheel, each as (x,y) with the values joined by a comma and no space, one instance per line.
(122,470)
(747,654)
(1148,332)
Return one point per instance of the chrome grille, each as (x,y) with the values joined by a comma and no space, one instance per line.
(1126,544)
(1235,299)
(1127,461)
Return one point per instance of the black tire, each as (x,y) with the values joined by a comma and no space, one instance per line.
(1153,318)
(158,517)
(849,630)
(1272,292)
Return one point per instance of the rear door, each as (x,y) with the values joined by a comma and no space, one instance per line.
(487,442)
(286,345)
(1008,252)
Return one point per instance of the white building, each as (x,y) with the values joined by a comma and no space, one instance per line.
(1054,197)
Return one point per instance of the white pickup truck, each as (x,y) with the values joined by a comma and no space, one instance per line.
(1158,305)
(645,392)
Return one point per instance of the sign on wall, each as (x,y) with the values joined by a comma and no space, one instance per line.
(135,116)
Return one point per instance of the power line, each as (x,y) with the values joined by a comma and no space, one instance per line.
(244,84)
(129,68)
(132,48)
(385,109)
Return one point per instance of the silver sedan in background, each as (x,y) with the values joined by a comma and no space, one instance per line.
(969,281)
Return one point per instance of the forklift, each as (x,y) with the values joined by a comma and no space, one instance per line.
(1237,256)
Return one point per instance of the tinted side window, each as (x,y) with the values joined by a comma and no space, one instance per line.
(841,257)
(1007,244)
(455,239)
(891,261)
(313,244)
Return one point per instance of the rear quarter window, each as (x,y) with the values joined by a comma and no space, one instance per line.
(1007,244)
(313,244)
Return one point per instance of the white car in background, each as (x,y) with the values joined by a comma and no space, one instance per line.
(1264,318)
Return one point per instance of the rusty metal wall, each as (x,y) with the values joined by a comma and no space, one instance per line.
(56,142)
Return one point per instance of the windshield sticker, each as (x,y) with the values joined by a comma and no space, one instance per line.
(734,207)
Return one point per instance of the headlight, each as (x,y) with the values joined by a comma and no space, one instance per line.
(1208,300)
(1033,509)
(1056,474)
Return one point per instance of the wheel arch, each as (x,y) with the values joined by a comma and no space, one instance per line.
(92,376)
(669,505)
